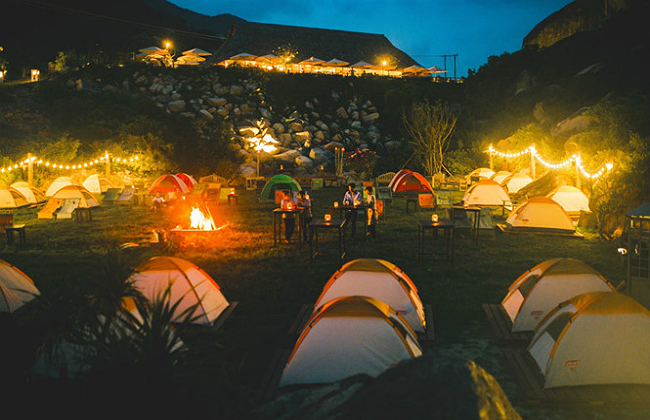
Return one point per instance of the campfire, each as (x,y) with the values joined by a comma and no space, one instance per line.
(198,229)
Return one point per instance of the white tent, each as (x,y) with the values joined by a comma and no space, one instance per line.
(16,288)
(480,174)
(349,336)
(97,184)
(11,198)
(540,214)
(537,291)
(59,183)
(516,182)
(189,284)
(83,198)
(598,338)
(500,176)
(572,199)
(32,194)
(486,193)
(377,279)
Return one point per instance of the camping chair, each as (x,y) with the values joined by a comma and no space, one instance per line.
(111,195)
(126,197)
(47,212)
(67,208)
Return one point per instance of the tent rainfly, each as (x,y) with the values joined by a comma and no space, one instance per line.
(486,193)
(378,279)
(85,197)
(540,214)
(16,288)
(348,336)
(168,184)
(188,180)
(189,284)
(277,183)
(59,183)
(97,184)
(516,182)
(407,180)
(597,338)
(32,194)
(572,199)
(537,291)
(11,198)
(500,176)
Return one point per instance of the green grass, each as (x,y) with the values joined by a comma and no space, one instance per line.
(271,283)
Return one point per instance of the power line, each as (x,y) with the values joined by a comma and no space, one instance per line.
(118,20)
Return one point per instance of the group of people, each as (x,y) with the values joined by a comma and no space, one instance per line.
(351,200)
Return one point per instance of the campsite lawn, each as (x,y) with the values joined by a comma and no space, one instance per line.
(271,283)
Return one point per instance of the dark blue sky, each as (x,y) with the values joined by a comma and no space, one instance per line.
(424,29)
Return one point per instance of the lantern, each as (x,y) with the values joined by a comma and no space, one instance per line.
(289,206)
(434,218)
(328,217)
(466,205)
(336,204)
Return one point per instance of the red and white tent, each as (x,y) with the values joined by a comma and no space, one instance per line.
(168,184)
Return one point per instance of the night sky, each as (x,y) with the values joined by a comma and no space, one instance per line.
(424,29)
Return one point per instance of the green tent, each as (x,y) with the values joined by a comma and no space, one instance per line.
(278,182)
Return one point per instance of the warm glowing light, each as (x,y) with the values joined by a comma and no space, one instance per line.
(434,218)
(199,221)
(336,204)
(609,166)
(328,217)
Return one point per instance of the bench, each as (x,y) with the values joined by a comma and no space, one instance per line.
(7,226)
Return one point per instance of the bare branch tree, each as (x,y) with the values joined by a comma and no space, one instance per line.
(430,127)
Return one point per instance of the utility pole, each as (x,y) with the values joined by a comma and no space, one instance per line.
(444,56)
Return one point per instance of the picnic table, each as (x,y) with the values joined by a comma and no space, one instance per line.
(278,217)
(459,216)
(321,224)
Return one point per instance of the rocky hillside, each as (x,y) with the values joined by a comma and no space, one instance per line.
(576,17)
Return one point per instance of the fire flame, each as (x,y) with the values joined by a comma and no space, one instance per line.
(199,221)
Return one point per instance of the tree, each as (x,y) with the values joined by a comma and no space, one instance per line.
(430,127)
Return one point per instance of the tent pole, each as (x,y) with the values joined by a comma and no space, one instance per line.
(30,170)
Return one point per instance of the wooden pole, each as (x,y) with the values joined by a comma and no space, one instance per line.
(108,164)
(30,170)
(491,160)
(578,184)
(532,164)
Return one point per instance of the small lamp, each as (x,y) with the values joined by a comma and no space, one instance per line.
(465,204)
(336,204)
(328,217)
(434,218)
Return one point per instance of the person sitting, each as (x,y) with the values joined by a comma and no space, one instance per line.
(288,203)
(304,202)
(371,213)
(157,202)
(351,198)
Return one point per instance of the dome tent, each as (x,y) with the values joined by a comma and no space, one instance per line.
(59,183)
(500,176)
(85,198)
(97,184)
(515,182)
(32,194)
(11,198)
(479,174)
(407,180)
(189,284)
(16,288)
(537,291)
(486,193)
(380,280)
(278,182)
(597,338)
(572,199)
(539,214)
(348,336)
(168,184)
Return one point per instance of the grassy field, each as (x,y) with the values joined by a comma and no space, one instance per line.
(271,283)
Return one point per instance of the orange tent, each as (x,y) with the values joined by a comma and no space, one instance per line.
(169,184)
(407,180)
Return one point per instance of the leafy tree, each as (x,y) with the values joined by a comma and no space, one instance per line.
(430,127)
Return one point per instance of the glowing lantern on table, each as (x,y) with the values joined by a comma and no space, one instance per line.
(232,191)
(289,206)
(434,218)
(336,204)
(466,205)
(328,217)
(356,203)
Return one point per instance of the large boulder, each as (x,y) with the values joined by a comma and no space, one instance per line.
(287,157)
(176,106)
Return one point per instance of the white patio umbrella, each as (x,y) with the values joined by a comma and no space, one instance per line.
(335,62)
(196,51)
(153,50)
(312,60)
(243,56)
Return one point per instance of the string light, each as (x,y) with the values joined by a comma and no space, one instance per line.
(574,158)
(48,164)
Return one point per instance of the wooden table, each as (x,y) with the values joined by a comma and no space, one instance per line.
(277,224)
(447,226)
(347,208)
(83,213)
(460,212)
(20,229)
(316,225)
